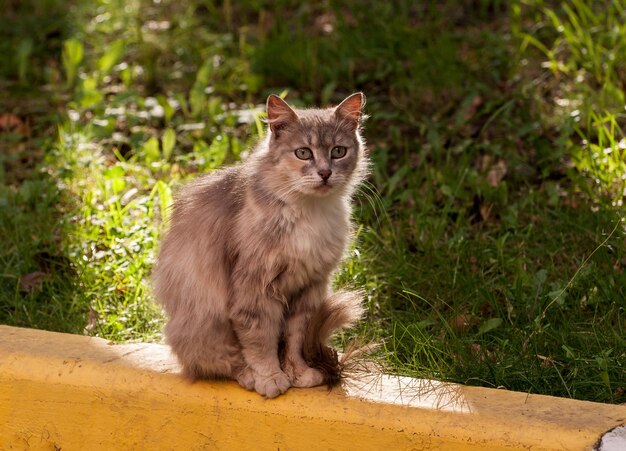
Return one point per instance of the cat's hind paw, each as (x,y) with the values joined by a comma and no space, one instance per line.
(309,377)
(273,385)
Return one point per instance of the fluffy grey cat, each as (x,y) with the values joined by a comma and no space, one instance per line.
(244,271)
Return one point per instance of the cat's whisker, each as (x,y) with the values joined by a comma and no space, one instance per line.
(284,193)
(279,194)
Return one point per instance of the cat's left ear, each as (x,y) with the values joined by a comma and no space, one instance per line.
(351,109)
(279,114)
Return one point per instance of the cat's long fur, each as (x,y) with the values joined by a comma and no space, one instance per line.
(246,265)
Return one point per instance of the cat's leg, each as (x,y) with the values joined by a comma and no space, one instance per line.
(258,324)
(300,311)
(207,348)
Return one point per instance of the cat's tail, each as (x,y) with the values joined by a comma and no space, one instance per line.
(339,311)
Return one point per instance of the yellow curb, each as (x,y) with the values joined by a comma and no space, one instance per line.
(69,392)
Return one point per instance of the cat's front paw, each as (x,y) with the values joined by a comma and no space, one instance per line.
(273,385)
(246,378)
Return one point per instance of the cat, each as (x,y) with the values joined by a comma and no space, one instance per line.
(245,269)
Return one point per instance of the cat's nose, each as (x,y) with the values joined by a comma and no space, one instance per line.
(325,173)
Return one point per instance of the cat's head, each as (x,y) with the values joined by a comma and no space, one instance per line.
(315,152)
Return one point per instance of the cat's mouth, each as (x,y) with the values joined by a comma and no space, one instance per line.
(323,187)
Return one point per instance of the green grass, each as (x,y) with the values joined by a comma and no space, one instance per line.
(491,241)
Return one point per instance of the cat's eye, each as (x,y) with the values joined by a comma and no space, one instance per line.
(304,153)
(338,152)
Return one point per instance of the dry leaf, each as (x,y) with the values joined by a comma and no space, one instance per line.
(496,173)
(571,202)
(10,121)
(325,23)
(479,352)
(485,211)
(471,111)
(461,323)
(485,162)
(92,323)
(546,362)
(32,281)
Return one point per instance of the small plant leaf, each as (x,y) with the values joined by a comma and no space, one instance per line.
(168,142)
(23,52)
(114,172)
(151,150)
(118,185)
(115,178)
(112,56)
(165,200)
(218,150)
(211,156)
(72,57)
(489,325)
(197,95)
(90,94)
(539,279)
(168,109)
(258,122)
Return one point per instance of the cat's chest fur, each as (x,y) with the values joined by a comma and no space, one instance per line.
(315,232)
(304,243)
(312,242)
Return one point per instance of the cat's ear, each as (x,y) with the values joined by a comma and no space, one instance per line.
(279,114)
(351,109)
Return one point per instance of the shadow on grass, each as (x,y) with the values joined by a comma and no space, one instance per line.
(37,282)
(538,308)
(31,36)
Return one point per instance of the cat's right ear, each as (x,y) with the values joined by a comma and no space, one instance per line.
(279,114)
